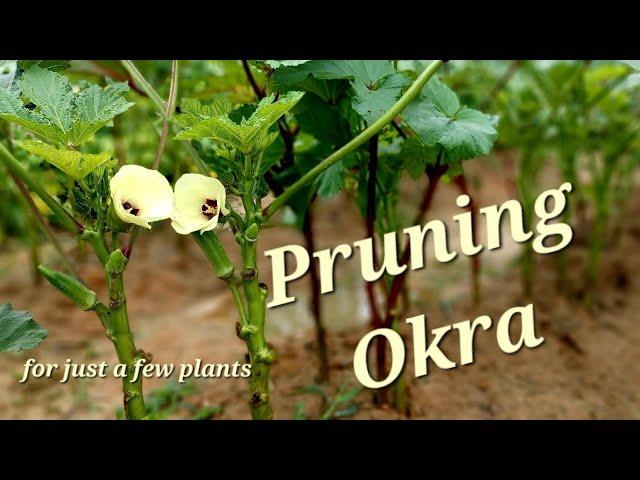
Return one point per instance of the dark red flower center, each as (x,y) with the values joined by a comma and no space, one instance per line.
(130,208)
(210,208)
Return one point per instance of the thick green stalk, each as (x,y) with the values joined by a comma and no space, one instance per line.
(17,169)
(256,295)
(358,141)
(250,328)
(261,355)
(122,338)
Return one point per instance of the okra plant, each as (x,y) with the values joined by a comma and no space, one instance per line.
(239,140)
(434,135)
(565,114)
(65,118)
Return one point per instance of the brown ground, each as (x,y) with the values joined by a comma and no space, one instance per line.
(588,366)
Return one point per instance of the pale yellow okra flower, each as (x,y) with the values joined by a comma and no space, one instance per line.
(198,202)
(140,195)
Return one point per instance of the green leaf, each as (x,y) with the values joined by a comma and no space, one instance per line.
(18,331)
(74,163)
(360,71)
(53,65)
(438,119)
(247,136)
(443,98)
(12,110)
(348,396)
(207,412)
(284,63)
(375,83)
(416,156)
(51,92)
(371,102)
(331,180)
(321,120)
(60,115)
(454,170)
(192,111)
(298,413)
(96,107)
(229,172)
(348,411)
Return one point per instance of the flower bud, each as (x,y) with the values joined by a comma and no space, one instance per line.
(251,234)
(116,262)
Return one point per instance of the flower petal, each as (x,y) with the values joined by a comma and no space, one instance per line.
(128,217)
(146,190)
(189,223)
(192,191)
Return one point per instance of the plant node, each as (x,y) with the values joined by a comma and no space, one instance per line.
(248,274)
(146,356)
(244,331)
(258,399)
(265,356)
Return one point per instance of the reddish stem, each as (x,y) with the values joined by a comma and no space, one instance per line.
(316,303)
(376,318)
(254,85)
(434,174)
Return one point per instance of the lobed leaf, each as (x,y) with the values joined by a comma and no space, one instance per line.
(72,162)
(371,102)
(359,71)
(438,119)
(51,92)
(375,83)
(12,110)
(192,111)
(97,106)
(58,114)
(248,135)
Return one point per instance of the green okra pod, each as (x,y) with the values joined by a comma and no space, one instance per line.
(85,298)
